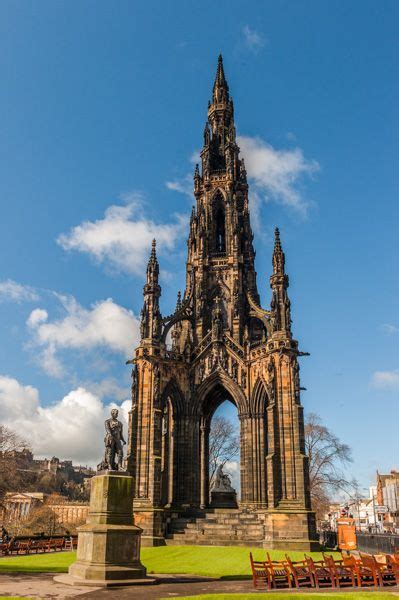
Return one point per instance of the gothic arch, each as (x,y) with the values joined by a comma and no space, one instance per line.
(220,288)
(223,388)
(219,234)
(219,192)
(259,399)
(172,391)
(173,321)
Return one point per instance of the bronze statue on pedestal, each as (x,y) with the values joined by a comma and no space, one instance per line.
(114,442)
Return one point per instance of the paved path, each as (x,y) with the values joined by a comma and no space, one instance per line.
(42,585)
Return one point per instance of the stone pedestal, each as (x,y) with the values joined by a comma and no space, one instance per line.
(109,543)
(291,528)
(223,499)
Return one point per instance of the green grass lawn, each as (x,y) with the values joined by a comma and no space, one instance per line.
(211,561)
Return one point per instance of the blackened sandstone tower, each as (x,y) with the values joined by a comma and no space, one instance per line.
(224,346)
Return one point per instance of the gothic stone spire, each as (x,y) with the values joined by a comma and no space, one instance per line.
(279,282)
(220,87)
(150,326)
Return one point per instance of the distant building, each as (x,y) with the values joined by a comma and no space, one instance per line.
(388,498)
(18,506)
(365,511)
(64,469)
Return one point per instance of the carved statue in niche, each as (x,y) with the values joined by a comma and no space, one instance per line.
(165,421)
(217,320)
(201,371)
(271,376)
(229,166)
(287,305)
(275,319)
(234,370)
(175,338)
(236,301)
(296,379)
(135,377)
(214,358)
(224,360)
(157,378)
(143,320)
(188,345)
(243,379)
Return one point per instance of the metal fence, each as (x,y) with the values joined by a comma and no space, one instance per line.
(373,543)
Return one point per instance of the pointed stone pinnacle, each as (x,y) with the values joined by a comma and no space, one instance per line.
(277,241)
(178,304)
(220,82)
(153,256)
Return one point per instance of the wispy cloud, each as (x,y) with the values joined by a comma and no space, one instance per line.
(253,40)
(183,185)
(122,238)
(105,324)
(389,329)
(16,292)
(277,175)
(388,380)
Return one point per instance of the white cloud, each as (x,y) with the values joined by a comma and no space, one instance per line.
(276,174)
(39,315)
(389,329)
(16,292)
(70,428)
(195,157)
(108,388)
(122,239)
(232,468)
(183,186)
(253,39)
(104,324)
(385,379)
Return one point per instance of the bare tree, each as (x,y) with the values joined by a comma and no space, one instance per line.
(224,444)
(11,441)
(42,519)
(11,460)
(327,458)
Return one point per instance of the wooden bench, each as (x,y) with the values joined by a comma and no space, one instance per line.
(279,573)
(363,574)
(5,547)
(56,544)
(343,576)
(321,574)
(300,573)
(381,573)
(260,574)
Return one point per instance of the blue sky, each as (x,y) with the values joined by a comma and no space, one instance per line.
(102,109)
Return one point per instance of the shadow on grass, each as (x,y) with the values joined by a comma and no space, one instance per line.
(235,578)
(6,569)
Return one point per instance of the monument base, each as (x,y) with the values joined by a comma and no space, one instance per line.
(108,544)
(223,499)
(291,529)
(69,580)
